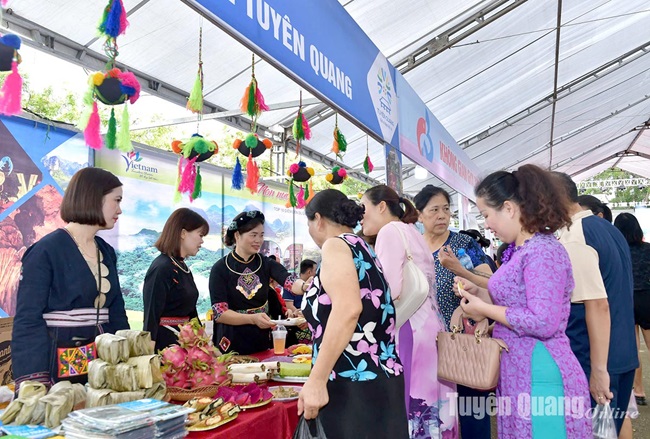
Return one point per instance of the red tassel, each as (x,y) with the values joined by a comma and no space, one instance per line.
(11,92)
(252,174)
(91,133)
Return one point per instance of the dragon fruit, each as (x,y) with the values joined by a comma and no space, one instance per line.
(243,399)
(193,334)
(199,378)
(178,378)
(173,358)
(199,359)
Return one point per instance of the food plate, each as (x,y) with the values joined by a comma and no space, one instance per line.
(256,405)
(289,398)
(295,321)
(212,427)
(279,379)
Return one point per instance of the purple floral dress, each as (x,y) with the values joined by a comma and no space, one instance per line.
(366,385)
(535,285)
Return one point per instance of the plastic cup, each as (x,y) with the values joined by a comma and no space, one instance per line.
(279,339)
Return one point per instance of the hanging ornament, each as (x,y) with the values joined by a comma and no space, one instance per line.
(195,150)
(252,103)
(339,145)
(337,175)
(11,92)
(299,173)
(301,130)
(110,87)
(195,101)
(367,164)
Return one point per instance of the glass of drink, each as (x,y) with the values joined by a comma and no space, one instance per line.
(279,339)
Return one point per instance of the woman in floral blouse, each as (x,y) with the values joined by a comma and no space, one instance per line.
(356,386)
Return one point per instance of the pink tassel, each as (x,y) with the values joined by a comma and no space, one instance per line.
(301,198)
(260,100)
(123,21)
(128,79)
(11,92)
(188,177)
(91,133)
(305,127)
(4,3)
(370,165)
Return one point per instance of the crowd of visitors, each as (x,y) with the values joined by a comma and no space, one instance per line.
(564,293)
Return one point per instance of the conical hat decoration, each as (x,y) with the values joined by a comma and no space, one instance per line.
(252,145)
(337,175)
(193,151)
(300,172)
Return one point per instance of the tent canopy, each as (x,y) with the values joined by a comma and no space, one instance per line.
(498,75)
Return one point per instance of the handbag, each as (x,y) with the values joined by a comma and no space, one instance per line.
(415,288)
(471,360)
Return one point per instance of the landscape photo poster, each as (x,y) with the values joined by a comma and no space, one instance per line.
(149,177)
(37,161)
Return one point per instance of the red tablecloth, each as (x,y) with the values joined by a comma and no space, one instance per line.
(278,420)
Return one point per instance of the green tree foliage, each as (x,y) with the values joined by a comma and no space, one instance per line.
(621,194)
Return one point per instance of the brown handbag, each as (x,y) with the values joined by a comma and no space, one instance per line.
(472,360)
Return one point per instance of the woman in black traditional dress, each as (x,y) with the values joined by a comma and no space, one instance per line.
(239,288)
(169,291)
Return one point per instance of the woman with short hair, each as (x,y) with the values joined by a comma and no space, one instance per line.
(69,290)
(169,291)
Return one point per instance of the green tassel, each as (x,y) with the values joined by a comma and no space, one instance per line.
(298,131)
(306,193)
(124,136)
(340,139)
(251,107)
(196,193)
(365,166)
(292,194)
(112,131)
(195,101)
(85,115)
(177,196)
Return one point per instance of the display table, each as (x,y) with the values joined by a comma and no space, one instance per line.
(278,420)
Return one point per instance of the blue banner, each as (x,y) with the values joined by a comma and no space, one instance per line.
(320,46)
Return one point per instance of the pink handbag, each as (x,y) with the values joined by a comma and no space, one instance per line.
(472,360)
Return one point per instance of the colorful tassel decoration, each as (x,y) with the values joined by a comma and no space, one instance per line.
(301,130)
(10,95)
(195,101)
(114,21)
(292,195)
(237,177)
(252,103)
(367,165)
(124,136)
(91,133)
(196,193)
(112,131)
(188,177)
(252,175)
(300,202)
(340,145)
(310,192)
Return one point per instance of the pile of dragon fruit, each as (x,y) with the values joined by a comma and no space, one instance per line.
(244,395)
(194,361)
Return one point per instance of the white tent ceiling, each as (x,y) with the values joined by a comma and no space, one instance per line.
(492,87)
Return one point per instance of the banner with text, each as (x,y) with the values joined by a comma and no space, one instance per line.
(423,139)
(322,48)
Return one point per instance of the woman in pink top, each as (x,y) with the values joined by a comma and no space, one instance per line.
(431,413)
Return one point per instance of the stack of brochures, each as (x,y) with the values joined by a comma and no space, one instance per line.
(142,419)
